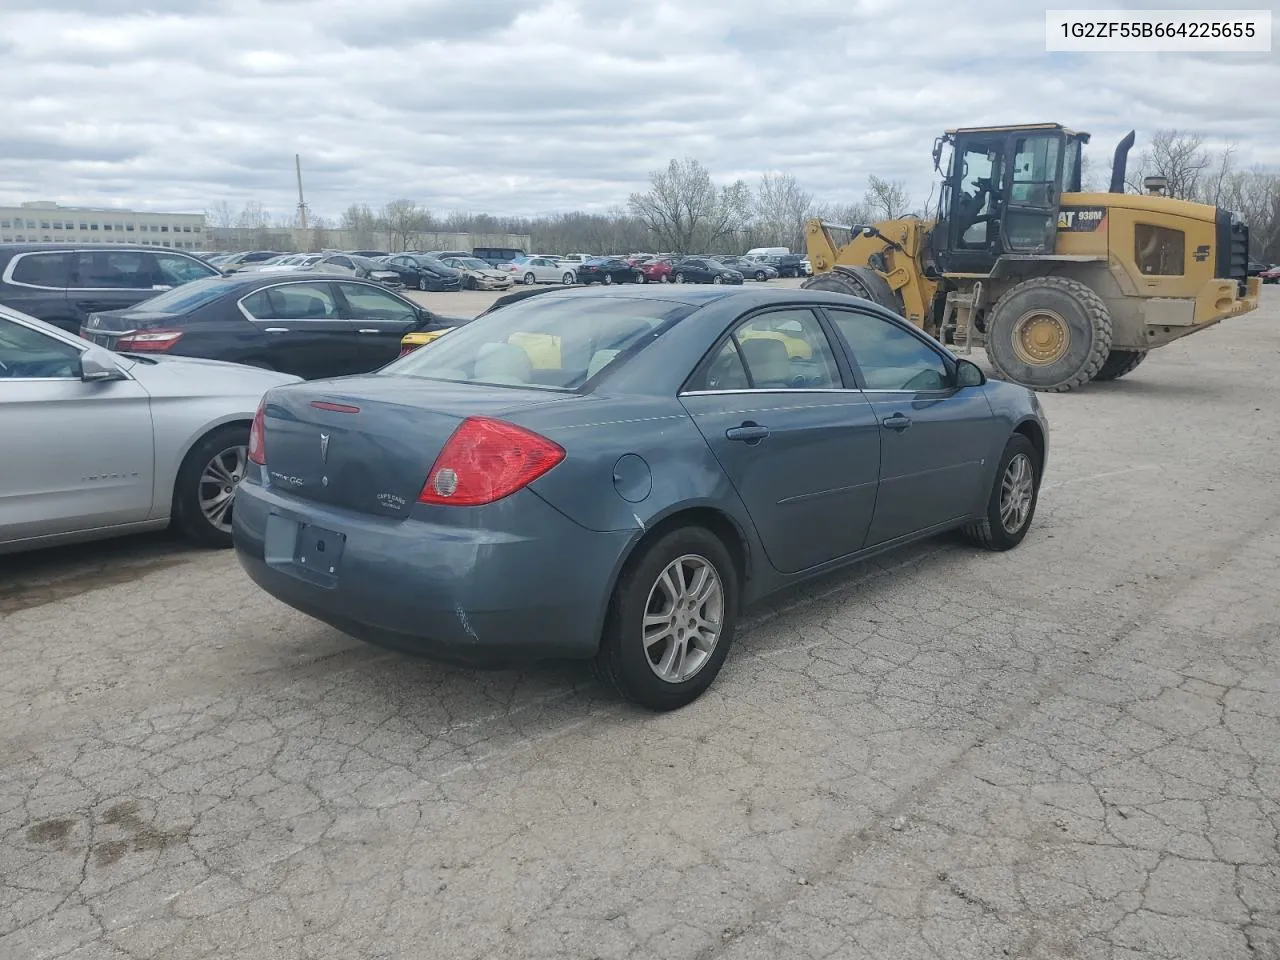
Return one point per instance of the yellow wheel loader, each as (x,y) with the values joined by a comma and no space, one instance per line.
(1060,286)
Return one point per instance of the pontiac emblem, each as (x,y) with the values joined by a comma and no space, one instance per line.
(324,447)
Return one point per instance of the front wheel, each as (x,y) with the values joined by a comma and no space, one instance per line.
(608,279)
(1049,333)
(717,279)
(641,278)
(567,279)
(761,277)
(204,493)
(530,279)
(665,278)
(679,278)
(671,620)
(1012,503)
(422,283)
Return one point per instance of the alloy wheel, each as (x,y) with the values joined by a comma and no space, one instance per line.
(683,618)
(1017,491)
(218,482)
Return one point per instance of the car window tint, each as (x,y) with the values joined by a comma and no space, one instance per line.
(44,270)
(368,303)
(724,372)
(174,270)
(115,269)
(295,301)
(890,358)
(787,349)
(27,354)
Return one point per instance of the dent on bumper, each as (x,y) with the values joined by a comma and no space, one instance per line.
(458,594)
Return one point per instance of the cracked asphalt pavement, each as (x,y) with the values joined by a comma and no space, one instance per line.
(1068,750)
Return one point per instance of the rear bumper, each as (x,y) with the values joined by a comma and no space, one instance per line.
(453,593)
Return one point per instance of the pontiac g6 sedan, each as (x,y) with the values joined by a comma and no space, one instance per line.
(613,475)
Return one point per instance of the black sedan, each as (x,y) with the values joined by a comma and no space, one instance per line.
(703,270)
(305,324)
(607,270)
(424,272)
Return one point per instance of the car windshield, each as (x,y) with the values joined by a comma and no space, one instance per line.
(550,343)
(186,297)
(472,262)
(365,262)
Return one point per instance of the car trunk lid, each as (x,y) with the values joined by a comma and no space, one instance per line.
(367,443)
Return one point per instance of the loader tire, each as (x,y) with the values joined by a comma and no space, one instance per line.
(1049,333)
(1120,362)
(862,282)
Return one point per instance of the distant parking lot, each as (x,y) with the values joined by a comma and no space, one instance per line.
(1068,750)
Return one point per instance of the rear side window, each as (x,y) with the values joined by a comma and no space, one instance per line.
(187,297)
(43,270)
(889,357)
(1159,251)
(114,270)
(296,301)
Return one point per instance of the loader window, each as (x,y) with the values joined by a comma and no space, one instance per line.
(1159,251)
(1035,171)
(977,197)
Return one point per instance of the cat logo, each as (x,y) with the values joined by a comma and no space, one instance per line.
(1081,219)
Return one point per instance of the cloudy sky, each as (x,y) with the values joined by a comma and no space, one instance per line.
(533,106)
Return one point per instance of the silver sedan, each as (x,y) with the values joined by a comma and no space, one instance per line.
(98,443)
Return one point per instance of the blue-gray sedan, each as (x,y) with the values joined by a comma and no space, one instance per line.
(614,474)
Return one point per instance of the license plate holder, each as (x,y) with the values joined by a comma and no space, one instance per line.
(319,550)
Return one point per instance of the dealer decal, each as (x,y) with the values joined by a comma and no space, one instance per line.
(1081,219)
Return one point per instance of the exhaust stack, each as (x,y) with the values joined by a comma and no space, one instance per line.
(1119,161)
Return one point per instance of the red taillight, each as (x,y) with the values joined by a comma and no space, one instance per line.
(407,349)
(258,435)
(149,341)
(485,460)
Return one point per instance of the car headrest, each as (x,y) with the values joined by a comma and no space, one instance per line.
(767,360)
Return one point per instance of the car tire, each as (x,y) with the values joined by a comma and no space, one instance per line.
(422,284)
(679,278)
(648,586)
(608,280)
(218,459)
(1119,363)
(567,279)
(717,279)
(641,278)
(665,278)
(529,280)
(1011,505)
(761,277)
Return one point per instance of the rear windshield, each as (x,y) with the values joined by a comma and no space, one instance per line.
(186,297)
(553,343)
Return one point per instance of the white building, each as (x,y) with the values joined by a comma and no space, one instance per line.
(43,221)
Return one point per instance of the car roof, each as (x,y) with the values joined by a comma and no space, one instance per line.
(7,248)
(699,295)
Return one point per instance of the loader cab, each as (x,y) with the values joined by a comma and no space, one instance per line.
(1001,193)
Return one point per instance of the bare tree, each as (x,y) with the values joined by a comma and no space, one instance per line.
(403,221)
(781,209)
(253,216)
(1218,182)
(887,199)
(359,223)
(684,209)
(1255,196)
(1090,182)
(220,215)
(845,214)
(1179,157)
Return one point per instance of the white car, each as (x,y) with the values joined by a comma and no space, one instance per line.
(97,444)
(539,270)
(293,261)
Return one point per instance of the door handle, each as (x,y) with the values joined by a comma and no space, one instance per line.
(749,432)
(897,422)
(277,329)
(367,330)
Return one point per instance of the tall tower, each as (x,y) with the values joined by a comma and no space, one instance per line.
(302,203)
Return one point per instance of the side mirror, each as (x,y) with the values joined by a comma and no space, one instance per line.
(969,374)
(96,367)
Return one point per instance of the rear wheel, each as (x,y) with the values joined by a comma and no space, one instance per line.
(422,283)
(717,279)
(761,276)
(608,279)
(671,620)
(857,282)
(204,492)
(1049,333)
(567,279)
(1012,503)
(1120,362)
(530,279)
(679,278)
(641,278)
